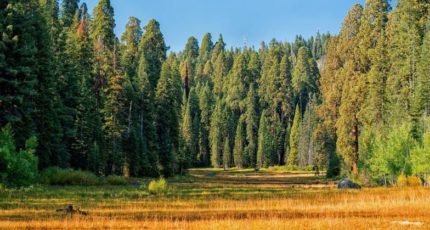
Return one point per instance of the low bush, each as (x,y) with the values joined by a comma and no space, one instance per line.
(414,181)
(157,187)
(116,180)
(408,181)
(58,176)
(17,168)
(402,181)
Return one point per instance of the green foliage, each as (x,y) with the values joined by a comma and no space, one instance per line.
(294,138)
(116,180)
(420,156)
(153,51)
(158,187)
(168,101)
(58,176)
(391,153)
(17,168)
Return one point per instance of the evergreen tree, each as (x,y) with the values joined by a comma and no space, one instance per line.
(303,82)
(264,141)
(239,144)
(422,95)
(130,40)
(206,47)
(168,101)
(206,102)
(191,127)
(216,134)
(294,138)
(153,51)
(226,153)
(404,32)
(234,88)
(251,120)
(372,58)
(68,11)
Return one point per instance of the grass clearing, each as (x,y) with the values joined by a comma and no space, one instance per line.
(217,199)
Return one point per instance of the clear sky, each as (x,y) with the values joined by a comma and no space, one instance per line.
(239,21)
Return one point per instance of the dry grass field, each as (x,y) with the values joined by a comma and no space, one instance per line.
(211,199)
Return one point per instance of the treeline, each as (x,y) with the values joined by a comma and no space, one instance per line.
(124,106)
(375,86)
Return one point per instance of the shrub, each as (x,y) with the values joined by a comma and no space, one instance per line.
(402,181)
(157,186)
(17,168)
(412,181)
(116,180)
(58,176)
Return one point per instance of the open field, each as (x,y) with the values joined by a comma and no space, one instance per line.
(241,199)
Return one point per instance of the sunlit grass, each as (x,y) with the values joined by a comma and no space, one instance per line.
(202,202)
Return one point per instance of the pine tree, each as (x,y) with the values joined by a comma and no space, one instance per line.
(153,51)
(146,129)
(206,47)
(216,134)
(372,58)
(130,40)
(168,101)
(234,88)
(239,144)
(251,120)
(303,81)
(102,34)
(219,72)
(264,141)
(422,101)
(206,103)
(191,48)
(218,48)
(191,127)
(68,11)
(79,50)
(226,153)
(404,32)
(294,138)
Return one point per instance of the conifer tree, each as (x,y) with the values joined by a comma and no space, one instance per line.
(264,141)
(372,57)
(153,51)
(422,101)
(68,12)
(216,134)
(191,127)
(206,47)
(294,138)
(234,88)
(168,101)
(206,103)
(239,144)
(226,153)
(404,32)
(251,120)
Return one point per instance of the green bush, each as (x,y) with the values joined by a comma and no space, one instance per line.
(17,168)
(58,176)
(158,186)
(116,180)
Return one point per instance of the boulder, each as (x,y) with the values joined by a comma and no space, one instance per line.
(347,184)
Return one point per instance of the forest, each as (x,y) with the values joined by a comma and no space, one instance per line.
(75,95)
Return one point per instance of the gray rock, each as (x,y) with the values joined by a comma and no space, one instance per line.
(211,174)
(347,184)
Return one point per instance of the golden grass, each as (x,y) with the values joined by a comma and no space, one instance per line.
(250,208)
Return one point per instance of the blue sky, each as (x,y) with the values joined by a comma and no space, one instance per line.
(240,21)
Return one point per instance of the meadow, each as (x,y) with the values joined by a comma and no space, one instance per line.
(216,199)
